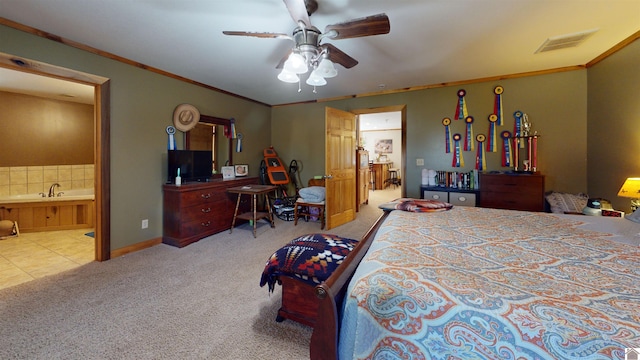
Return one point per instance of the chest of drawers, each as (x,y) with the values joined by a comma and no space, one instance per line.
(197,210)
(512,191)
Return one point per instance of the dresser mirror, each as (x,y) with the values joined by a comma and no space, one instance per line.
(209,134)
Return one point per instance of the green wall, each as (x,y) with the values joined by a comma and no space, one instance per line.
(614,124)
(142,104)
(556,105)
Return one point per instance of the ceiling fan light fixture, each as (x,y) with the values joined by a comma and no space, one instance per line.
(315,79)
(326,69)
(296,63)
(288,76)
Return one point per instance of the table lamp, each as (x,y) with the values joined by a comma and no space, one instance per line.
(631,189)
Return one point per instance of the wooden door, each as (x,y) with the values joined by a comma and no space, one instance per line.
(340,167)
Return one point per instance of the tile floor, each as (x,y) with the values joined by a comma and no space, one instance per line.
(34,255)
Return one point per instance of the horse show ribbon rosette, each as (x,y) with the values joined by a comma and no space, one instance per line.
(497,104)
(447,134)
(491,141)
(458,160)
(468,136)
(507,151)
(461,109)
(517,126)
(481,158)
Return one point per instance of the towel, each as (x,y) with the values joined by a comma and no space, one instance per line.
(312,193)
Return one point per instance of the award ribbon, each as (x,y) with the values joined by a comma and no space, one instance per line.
(517,126)
(447,134)
(468,136)
(491,143)
(461,109)
(497,104)
(171,142)
(239,143)
(507,151)
(481,159)
(458,161)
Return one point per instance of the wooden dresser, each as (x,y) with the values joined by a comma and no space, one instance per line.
(196,210)
(381,170)
(512,191)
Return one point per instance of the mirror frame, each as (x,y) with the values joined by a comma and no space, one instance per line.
(215,121)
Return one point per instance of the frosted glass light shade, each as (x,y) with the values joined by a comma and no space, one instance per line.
(296,64)
(288,76)
(315,79)
(326,69)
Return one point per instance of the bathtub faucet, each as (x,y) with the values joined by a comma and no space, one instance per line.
(52,189)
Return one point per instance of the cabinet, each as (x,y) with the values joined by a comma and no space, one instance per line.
(381,174)
(512,191)
(455,196)
(50,214)
(196,210)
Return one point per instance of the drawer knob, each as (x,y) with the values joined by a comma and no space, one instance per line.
(462,198)
(205,196)
(206,210)
(436,197)
(206,223)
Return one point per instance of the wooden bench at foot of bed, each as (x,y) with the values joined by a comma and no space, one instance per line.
(299,302)
(330,294)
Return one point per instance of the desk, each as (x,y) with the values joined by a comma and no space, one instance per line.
(254,215)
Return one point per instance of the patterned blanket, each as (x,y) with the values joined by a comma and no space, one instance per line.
(475,283)
(311,258)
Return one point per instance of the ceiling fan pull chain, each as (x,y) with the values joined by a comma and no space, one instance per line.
(299,89)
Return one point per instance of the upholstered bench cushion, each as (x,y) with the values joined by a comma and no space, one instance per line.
(311,258)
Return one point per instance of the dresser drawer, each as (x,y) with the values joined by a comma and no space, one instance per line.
(201,197)
(435,195)
(511,184)
(462,199)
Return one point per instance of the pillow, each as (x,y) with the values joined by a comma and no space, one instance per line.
(416,205)
(312,258)
(564,202)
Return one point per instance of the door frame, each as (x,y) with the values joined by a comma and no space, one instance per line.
(403,133)
(102,139)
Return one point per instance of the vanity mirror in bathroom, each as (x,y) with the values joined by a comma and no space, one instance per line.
(209,134)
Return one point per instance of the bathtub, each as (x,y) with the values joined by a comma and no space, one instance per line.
(70,209)
(75,194)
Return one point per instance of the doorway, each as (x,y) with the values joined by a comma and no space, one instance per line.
(382,132)
(101,89)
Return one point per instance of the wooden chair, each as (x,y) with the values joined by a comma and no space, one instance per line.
(303,208)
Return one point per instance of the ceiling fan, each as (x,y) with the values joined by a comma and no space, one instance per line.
(309,51)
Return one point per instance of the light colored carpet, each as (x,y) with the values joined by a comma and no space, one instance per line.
(199,302)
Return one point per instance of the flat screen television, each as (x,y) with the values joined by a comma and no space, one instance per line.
(194,165)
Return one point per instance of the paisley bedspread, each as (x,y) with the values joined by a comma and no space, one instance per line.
(475,283)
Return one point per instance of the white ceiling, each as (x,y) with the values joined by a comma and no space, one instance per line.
(431,41)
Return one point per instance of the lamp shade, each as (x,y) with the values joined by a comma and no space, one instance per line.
(288,76)
(630,188)
(315,79)
(326,69)
(296,63)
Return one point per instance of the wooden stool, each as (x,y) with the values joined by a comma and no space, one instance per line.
(303,208)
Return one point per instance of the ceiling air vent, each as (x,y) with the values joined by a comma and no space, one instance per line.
(565,41)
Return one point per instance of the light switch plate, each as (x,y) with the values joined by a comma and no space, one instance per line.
(419,162)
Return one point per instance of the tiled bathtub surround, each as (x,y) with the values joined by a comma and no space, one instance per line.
(20,180)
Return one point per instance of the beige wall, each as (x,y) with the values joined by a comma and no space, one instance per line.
(142,105)
(556,105)
(38,131)
(614,124)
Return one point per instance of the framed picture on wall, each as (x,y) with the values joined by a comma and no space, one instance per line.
(384,146)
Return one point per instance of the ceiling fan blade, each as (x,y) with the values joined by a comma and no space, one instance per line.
(339,57)
(298,11)
(370,25)
(258,34)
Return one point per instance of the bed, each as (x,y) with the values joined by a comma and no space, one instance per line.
(475,283)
